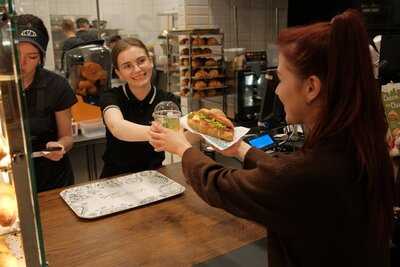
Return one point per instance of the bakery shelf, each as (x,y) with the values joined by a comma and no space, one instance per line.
(195,48)
(208,78)
(200,67)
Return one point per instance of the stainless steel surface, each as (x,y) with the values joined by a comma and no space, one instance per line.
(98,18)
(277,21)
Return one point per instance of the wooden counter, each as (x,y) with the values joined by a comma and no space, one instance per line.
(181,231)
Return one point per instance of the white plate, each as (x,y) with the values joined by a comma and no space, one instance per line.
(117,194)
(239,132)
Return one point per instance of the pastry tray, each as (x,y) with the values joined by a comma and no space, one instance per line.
(109,196)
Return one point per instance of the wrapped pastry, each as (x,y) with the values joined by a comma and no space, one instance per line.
(198,41)
(185,62)
(212,41)
(185,82)
(213,73)
(196,51)
(184,41)
(3,148)
(185,51)
(210,62)
(184,92)
(206,51)
(8,260)
(201,74)
(8,205)
(185,74)
(215,84)
(197,62)
(199,85)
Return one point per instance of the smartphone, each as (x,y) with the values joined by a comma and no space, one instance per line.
(263,141)
(46,151)
(51,149)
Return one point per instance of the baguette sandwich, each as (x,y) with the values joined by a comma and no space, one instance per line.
(212,122)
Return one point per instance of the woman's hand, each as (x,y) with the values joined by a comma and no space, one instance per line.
(55,155)
(163,139)
(238,150)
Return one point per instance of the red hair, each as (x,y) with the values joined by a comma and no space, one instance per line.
(338,54)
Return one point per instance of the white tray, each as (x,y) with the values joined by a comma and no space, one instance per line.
(117,194)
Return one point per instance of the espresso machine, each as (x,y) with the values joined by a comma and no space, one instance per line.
(250,84)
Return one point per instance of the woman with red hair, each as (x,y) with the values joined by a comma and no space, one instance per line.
(331,203)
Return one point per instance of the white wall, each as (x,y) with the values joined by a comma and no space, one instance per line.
(38,8)
(134,17)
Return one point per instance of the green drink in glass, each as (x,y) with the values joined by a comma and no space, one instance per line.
(168,115)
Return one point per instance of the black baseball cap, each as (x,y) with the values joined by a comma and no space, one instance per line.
(31,29)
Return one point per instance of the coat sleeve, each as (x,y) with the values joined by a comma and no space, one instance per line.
(273,192)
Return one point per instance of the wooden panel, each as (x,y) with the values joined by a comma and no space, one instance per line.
(177,232)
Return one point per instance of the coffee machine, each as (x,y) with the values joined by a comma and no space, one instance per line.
(250,84)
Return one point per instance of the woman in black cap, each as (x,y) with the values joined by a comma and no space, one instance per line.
(49,98)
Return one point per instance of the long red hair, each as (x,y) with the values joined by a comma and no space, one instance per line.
(338,53)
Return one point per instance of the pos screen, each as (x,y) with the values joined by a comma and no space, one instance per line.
(262,141)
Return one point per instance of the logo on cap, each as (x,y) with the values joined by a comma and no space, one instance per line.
(28,33)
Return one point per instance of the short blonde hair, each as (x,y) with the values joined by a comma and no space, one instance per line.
(68,25)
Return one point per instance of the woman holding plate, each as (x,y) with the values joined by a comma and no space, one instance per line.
(329,204)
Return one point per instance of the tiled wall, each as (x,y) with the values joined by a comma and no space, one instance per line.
(197,14)
(256,21)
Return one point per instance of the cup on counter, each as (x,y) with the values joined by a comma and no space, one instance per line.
(168,115)
(74,126)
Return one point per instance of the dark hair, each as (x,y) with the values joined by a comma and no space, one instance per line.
(338,53)
(80,22)
(114,38)
(124,44)
(68,25)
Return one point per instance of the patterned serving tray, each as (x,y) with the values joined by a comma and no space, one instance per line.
(108,196)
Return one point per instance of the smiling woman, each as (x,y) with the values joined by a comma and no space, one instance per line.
(127,111)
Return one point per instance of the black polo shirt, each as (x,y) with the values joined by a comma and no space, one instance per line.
(127,157)
(48,93)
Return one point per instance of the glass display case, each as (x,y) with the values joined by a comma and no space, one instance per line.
(196,67)
(21,242)
(88,70)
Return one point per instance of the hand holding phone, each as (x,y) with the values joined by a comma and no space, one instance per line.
(53,151)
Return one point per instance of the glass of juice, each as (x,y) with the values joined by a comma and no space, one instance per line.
(167,113)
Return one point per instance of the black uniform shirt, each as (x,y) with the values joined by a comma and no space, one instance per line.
(122,156)
(48,94)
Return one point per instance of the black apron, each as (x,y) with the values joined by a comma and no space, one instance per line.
(43,128)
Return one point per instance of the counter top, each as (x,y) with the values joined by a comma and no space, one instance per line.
(181,231)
